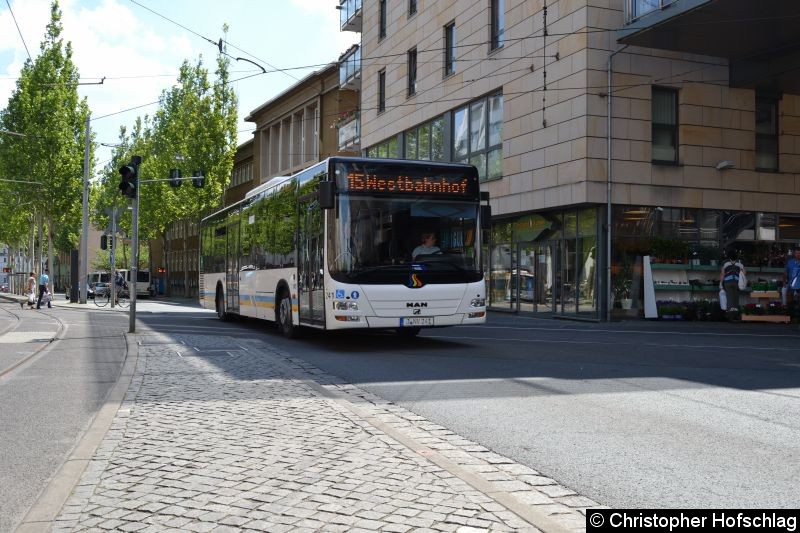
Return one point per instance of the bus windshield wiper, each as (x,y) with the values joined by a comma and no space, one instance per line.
(377,268)
(434,264)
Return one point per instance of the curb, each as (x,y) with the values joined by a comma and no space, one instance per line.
(42,514)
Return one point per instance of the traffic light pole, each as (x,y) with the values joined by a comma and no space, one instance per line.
(113,254)
(84,259)
(136,160)
(135,265)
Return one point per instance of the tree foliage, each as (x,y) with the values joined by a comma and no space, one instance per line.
(196,123)
(46,108)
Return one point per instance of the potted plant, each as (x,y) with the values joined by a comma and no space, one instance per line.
(623,283)
(708,255)
(659,250)
(678,250)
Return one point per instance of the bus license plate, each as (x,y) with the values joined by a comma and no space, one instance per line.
(417,321)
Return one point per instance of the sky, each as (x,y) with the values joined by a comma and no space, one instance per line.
(138,51)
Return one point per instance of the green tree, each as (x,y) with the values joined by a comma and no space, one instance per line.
(196,120)
(46,108)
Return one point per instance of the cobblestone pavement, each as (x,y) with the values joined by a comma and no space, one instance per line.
(223,434)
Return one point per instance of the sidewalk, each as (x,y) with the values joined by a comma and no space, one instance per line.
(59,299)
(228,434)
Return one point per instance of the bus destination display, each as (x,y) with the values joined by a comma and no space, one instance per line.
(449,185)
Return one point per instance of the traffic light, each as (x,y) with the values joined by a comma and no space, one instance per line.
(130,178)
(104,242)
(198,179)
(175,177)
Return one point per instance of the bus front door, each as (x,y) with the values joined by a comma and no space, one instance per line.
(232,268)
(310,269)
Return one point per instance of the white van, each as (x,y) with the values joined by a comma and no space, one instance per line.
(142,281)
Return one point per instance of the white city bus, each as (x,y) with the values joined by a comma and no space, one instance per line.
(331,247)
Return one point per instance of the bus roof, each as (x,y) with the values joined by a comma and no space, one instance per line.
(305,174)
(274,182)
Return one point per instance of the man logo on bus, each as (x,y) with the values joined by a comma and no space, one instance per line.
(415,282)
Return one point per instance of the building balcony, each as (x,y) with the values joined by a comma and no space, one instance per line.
(760,39)
(350,69)
(350,133)
(350,15)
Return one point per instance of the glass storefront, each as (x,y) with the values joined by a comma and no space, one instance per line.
(699,239)
(551,262)
(545,263)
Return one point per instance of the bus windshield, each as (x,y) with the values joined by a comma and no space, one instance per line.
(382,239)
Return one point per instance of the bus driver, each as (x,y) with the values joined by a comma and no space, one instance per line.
(427,247)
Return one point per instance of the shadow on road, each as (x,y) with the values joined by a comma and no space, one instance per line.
(508,349)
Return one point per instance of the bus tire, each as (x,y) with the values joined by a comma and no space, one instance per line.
(285,323)
(219,304)
(408,332)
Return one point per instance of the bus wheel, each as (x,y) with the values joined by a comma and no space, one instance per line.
(285,324)
(408,332)
(220,305)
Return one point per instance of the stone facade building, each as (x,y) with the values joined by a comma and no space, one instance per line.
(701,153)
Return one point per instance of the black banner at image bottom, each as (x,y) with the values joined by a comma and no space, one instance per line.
(778,520)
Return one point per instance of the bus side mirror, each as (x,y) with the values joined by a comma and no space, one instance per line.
(327,194)
(486,217)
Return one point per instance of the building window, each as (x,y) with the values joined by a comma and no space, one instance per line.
(387,148)
(382,91)
(382,20)
(450,49)
(412,7)
(478,136)
(498,23)
(426,141)
(412,72)
(665,125)
(766,134)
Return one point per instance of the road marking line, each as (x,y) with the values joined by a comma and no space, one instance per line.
(647,332)
(617,343)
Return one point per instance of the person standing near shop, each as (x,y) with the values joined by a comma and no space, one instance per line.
(44,281)
(791,280)
(732,269)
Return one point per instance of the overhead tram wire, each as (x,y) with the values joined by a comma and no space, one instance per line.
(511,40)
(508,40)
(157,101)
(19,31)
(215,43)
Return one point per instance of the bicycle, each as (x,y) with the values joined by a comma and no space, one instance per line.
(102,297)
(123,298)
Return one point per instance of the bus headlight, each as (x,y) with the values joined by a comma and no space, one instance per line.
(478,302)
(345,305)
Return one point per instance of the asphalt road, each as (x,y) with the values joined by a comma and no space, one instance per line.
(636,414)
(56,368)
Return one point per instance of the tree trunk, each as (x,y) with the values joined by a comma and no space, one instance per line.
(51,239)
(38,256)
(186,291)
(167,271)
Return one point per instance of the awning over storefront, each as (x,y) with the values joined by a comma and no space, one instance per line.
(761,39)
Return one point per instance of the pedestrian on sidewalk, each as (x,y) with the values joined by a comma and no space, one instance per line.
(44,280)
(791,281)
(30,291)
(732,271)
